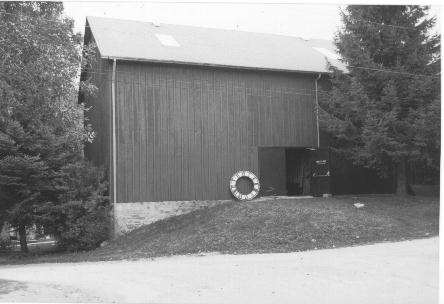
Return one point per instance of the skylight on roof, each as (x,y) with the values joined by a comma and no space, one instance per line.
(167,40)
(327,53)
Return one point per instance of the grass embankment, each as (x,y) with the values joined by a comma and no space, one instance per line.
(273,226)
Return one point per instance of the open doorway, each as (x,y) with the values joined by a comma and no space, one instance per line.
(284,171)
(298,171)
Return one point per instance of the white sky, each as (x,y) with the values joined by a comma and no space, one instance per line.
(302,20)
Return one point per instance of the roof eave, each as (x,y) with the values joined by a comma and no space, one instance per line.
(214,65)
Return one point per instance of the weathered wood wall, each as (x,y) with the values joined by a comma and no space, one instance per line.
(183,131)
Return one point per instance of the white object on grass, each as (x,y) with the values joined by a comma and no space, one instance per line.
(236,193)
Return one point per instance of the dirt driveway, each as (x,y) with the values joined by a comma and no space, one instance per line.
(403,272)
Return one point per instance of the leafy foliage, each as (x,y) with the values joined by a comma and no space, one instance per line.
(81,220)
(42,132)
(5,244)
(385,111)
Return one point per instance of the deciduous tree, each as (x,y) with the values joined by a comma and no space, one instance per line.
(41,124)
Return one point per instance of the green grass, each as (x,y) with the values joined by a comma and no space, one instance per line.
(272,226)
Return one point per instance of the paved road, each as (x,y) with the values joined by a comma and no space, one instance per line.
(403,272)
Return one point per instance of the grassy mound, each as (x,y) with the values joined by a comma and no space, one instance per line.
(282,226)
(276,226)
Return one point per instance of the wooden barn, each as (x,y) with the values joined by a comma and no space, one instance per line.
(180,109)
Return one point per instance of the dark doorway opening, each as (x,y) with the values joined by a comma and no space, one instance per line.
(298,171)
(284,171)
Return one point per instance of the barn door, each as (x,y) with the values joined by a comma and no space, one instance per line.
(272,171)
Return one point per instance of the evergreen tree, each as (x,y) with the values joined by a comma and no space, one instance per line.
(41,124)
(384,112)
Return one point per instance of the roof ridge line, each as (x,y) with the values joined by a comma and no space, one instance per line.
(206,27)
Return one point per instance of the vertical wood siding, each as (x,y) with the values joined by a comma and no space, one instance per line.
(184,131)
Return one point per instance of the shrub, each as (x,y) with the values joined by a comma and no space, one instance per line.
(76,225)
(5,243)
(80,219)
(84,228)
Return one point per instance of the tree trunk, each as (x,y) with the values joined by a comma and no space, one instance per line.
(22,235)
(401,178)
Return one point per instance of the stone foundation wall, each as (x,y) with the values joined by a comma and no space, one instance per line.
(133,215)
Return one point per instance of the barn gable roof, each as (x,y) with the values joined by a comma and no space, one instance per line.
(146,41)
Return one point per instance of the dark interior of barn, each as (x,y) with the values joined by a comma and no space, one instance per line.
(289,171)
